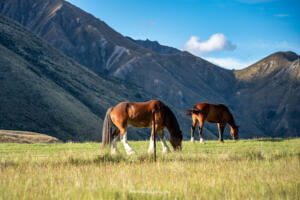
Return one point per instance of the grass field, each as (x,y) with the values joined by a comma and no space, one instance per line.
(248,169)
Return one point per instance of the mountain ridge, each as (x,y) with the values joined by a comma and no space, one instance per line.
(155,46)
(270,89)
(267,65)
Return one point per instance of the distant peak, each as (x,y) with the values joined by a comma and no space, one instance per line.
(289,55)
(267,66)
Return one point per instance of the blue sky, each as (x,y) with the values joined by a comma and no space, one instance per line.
(230,33)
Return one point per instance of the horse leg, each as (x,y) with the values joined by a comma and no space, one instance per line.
(128,149)
(163,142)
(114,149)
(151,146)
(195,121)
(221,127)
(201,123)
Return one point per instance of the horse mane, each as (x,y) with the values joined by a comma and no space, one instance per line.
(169,115)
(231,121)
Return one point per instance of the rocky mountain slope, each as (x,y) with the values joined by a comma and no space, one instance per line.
(43,90)
(269,92)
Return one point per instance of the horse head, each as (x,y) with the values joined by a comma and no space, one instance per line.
(176,140)
(235,133)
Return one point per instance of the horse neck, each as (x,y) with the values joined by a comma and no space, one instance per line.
(172,124)
(231,122)
(171,129)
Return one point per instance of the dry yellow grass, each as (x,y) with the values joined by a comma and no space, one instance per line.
(9,136)
(248,169)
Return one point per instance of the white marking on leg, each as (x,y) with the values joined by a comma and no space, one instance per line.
(192,139)
(128,149)
(151,146)
(202,141)
(164,146)
(114,149)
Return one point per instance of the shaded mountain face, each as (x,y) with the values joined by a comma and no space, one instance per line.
(45,91)
(269,92)
(178,78)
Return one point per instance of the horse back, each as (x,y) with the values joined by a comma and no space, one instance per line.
(139,114)
(214,113)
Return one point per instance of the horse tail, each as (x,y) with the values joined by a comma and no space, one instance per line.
(192,111)
(153,120)
(154,134)
(107,128)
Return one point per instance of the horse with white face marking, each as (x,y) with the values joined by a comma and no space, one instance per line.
(153,114)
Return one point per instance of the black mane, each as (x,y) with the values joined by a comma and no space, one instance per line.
(169,116)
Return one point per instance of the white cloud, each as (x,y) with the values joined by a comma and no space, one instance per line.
(229,63)
(216,42)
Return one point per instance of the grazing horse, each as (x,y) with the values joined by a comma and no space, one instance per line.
(215,113)
(153,114)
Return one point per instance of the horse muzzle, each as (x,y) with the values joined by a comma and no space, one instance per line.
(178,148)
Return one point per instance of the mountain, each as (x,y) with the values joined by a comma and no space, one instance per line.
(180,78)
(42,90)
(176,77)
(269,92)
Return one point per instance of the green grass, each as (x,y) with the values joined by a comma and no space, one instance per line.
(248,169)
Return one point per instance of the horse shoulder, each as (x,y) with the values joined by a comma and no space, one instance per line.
(120,109)
(155,105)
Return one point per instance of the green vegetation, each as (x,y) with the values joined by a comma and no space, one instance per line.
(248,169)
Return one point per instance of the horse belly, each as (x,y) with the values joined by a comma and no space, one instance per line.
(213,118)
(140,123)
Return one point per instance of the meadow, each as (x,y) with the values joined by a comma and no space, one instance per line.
(247,169)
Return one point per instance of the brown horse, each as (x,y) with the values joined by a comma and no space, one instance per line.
(215,113)
(153,114)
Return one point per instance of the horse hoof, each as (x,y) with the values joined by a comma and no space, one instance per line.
(165,151)
(114,152)
(150,152)
(202,141)
(131,152)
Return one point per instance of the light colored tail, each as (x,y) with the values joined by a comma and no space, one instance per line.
(154,136)
(107,129)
